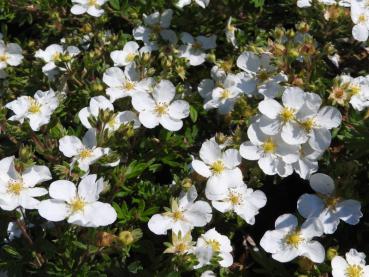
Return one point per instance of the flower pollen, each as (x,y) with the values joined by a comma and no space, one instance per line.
(269,146)
(77,205)
(354,271)
(85,153)
(287,114)
(15,187)
(215,245)
(34,106)
(294,238)
(161,109)
(217,167)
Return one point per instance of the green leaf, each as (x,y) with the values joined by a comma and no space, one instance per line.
(193,114)
(115,4)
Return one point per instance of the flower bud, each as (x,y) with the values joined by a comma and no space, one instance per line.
(186,183)
(331,253)
(211,58)
(303,27)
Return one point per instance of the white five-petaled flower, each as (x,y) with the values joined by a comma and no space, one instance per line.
(81,206)
(37,109)
(183,216)
(273,154)
(125,83)
(353,266)
(202,3)
(10,54)
(224,96)
(213,244)
(100,103)
(217,166)
(360,17)
(244,201)
(83,152)
(194,48)
(92,7)
(18,190)
(289,241)
(328,206)
(159,107)
(260,74)
(56,53)
(307,163)
(156,25)
(127,55)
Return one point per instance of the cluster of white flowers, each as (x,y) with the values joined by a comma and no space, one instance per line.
(291,136)
(323,212)
(92,7)
(10,55)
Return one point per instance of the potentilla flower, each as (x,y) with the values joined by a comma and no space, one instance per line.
(230,33)
(307,163)
(289,241)
(80,207)
(282,118)
(183,216)
(360,17)
(353,266)
(56,53)
(315,122)
(273,154)
(217,166)
(201,3)
(10,54)
(18,189)
(194,48)
(181,244)
(156,25)
(240,199)
(158,107)
(100,103)
(85,152)
(37,109)
(127,55)
(92,7)
(327,205)
(358,90)
(213,244)
(206,86)
(261,74)
(224,95)
(125,83)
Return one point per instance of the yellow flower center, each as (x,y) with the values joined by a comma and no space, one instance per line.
(15,187)
(215,245)
(362,18)
(156,28)
(77,205)
(85,153)
(129,85)
(225,94)
(34,106)
(56,57)
(92,2)
(112,122)
(217,167)
(263,75)
(287,114)
(131,57)
(331,202)
(177,215)
(294,238)
(161,109)
(197,45)
(226,65)
(234,198)
(181,247)
(3,58)
(354,271)
(354,89)
(308,125)
(269,146)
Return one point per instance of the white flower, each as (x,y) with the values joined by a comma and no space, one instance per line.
(183,216)
(273,154)
(127,55)
(208,273)
(155,24)
(83,152)
(315,123)
(201,3)
(217,166)
(181,244)
(224,96)
(37,109)
(260,74)
(282,118)
(244,201)
(159,108)
(360,17)
(10,54)
(56,53)
(307,163)
(125,83)
(303,3)
(13,231)
(359,92)
(92,7)
(213,244)
(194,48)
(327,205)
(100,103)
(353,266)
(289,241)
(79,206)
(230,32)
(18,189)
